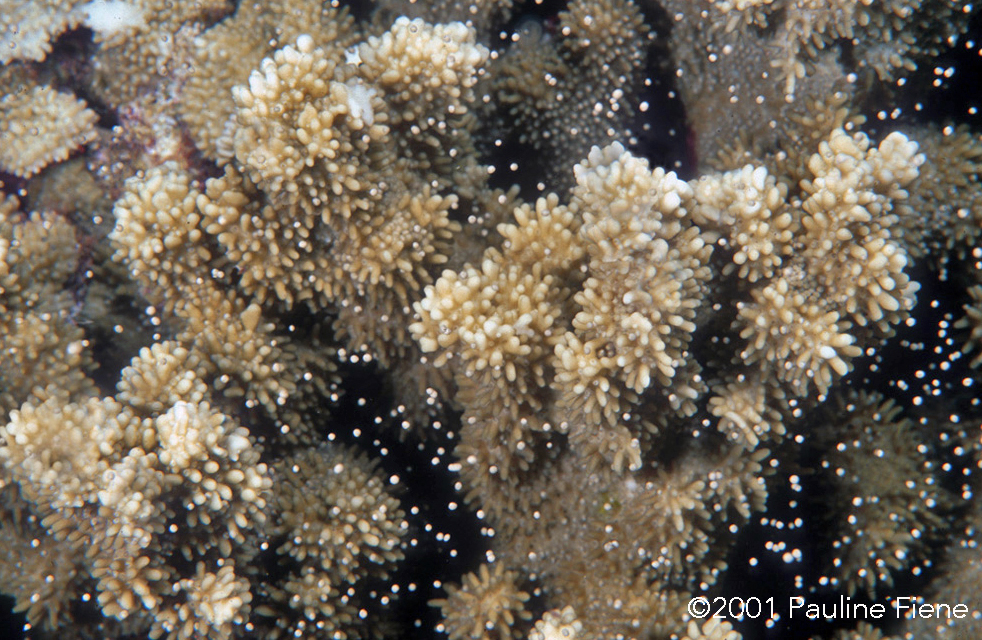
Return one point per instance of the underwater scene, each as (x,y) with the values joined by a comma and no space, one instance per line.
(490,319)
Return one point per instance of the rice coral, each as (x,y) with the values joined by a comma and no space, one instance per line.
(334,306)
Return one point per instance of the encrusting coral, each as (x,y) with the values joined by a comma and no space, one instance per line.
(40,126)
(28,26)
(612,368)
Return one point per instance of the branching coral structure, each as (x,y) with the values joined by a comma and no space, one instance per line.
(396,319)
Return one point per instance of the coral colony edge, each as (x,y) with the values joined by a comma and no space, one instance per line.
(490,319)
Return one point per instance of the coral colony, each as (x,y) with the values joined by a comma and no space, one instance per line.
(485,319)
